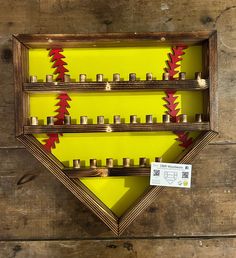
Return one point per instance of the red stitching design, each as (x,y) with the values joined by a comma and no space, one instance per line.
(175,57)
(172,110)
(184,139)
(59,64)
(171,105)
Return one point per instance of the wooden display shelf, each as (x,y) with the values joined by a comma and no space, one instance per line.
(105,171)
(70,177)
(99,128)
(154,85)
(123,39)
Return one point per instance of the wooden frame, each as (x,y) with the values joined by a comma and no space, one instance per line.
(185,85)
(21,44)
(96,128)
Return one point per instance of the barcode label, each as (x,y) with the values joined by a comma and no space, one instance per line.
(171,174)
(185,174)
(156,172)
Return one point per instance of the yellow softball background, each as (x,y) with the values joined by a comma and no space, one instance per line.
(118,193)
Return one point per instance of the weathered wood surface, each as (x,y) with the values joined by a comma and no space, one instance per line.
(29,203)
(122,16)
(34,205)
(128,248)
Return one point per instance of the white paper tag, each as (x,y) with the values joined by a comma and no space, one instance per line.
(171,174)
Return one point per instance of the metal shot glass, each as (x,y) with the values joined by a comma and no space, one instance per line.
(66,78)
(99,77)
(116,77)
(34,120)
(183,118)
(83,120)
(149,77)
(67,120)
(76,163)
(132,77)
(133,119)
(149,119)
(198,118)
(158,159)
(33,78)
(109,162)
(166,76)
(116,119)
(198,75)
(50,120)
(126,162)
(182,76)
(142,162)
(93,163)
(82,77)
(166,118)
(49,78)
(100,120)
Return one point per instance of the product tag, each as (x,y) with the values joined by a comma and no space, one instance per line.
(171,174)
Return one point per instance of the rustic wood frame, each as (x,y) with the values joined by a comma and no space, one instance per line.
(21,44)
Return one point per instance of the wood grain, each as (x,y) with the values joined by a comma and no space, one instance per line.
(7,116)
(109,128)
(21,203)
(213,94)
(104,171)
(20,59)
(77,188)
(155,85)
(207,208)
(127,248)
(112,39)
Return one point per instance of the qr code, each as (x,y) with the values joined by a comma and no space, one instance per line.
(184,174)
(156,172)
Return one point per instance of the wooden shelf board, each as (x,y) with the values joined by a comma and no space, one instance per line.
(155,85)
(96,128)
(104,171)
(112,39)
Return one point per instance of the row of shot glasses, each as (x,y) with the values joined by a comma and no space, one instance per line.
(116,77)
(117,119)
(127,162)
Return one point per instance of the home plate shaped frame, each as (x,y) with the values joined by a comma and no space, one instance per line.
(71,177)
